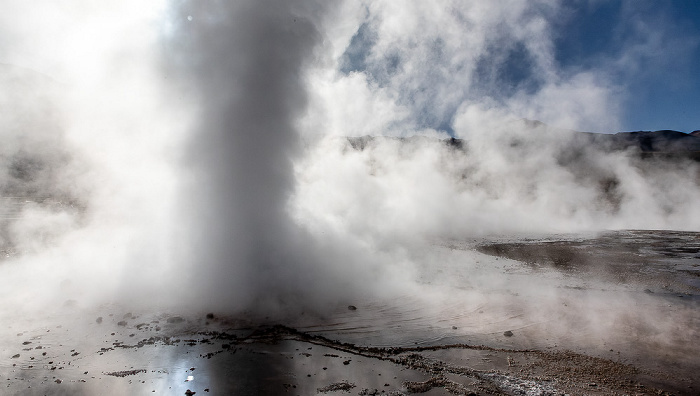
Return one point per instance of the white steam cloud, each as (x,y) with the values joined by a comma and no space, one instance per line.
(192,153)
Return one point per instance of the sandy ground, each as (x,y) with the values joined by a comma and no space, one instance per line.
(596,336)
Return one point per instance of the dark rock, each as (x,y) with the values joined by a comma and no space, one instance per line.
(352,308)
(121,323)
(126,373)
(189,392)
(338,386)
(508,333)
(99,319)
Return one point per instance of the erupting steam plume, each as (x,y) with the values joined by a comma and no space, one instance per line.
(195,152)
(244,63)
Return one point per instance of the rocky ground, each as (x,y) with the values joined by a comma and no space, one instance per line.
(137,355)
(632,336)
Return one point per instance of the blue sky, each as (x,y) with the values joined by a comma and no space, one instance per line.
(660,80)
(455,66)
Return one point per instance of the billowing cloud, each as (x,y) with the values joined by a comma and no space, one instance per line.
(201,145)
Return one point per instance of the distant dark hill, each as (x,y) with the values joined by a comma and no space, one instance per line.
(648,144)
(658,141)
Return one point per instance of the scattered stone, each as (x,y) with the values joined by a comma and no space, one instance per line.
(454,327)
(189,392)
(347,362)
(125,373)
(352,308)
(508,333)
(15,356)
(121,323)
(58,380)
(99,319)
(338,386)
(210,315)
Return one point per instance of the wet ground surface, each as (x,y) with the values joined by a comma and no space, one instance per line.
(283,360)
(663,261)
(542,326)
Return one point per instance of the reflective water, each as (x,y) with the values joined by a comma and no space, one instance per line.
(627,296)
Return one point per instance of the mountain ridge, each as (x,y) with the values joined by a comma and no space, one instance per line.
(661,143)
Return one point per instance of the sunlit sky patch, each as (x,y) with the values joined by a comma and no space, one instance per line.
(650,47)
(636,61)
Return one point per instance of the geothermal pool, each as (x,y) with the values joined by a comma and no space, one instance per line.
(610,313)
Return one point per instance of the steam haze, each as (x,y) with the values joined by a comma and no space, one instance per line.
(245,65)
(194,154)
